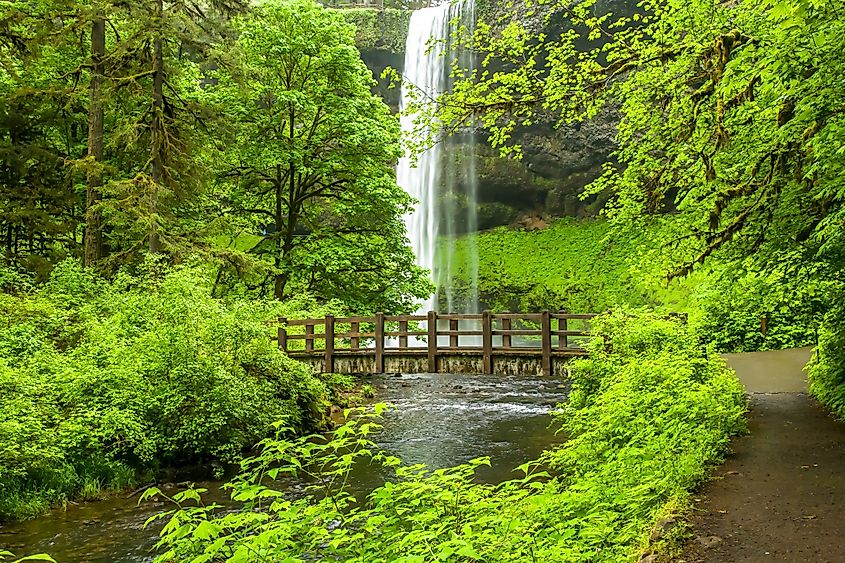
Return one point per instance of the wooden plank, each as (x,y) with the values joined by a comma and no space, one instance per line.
(354,335)
(487,342)
(518,316)
(464,351)
(537,352)
(453,333)
(378,360)
(518,332)
(454,317)
(305,322)
(372,334)
(546,327)
(338,353)
(354,328)
(432,342)
(506,336)
(304,336)
(418,318)
(309,337)
(348,320)
(282,336)
(328,358)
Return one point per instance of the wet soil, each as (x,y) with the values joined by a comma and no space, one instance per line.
(780,495)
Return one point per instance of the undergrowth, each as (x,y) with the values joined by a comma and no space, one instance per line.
(826,369)
(650,412)
(589,266)
(571,264)
(103,382)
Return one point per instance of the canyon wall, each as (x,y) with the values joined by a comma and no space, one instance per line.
(558,161)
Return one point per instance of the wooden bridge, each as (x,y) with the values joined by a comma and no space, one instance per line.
(505,343)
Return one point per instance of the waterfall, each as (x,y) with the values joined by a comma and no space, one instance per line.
(443,180)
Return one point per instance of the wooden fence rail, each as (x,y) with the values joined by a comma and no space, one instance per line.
(543,336)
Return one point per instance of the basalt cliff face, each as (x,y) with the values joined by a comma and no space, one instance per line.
(559,160)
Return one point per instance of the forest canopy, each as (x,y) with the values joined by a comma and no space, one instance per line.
(732,114)
(246,135)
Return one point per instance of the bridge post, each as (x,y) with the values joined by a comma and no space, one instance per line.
(328,360)
(562,325)
(282,337)
(432,342)
(546,337)
(354,342)
(487,341)
(309,336)
(379,361)
(403,338)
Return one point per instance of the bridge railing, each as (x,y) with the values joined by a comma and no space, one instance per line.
(487,335)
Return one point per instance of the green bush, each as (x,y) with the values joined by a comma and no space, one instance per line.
(730,309)
(385,29)
(826,369)
(579,265)
(101,379)
(588,266)
(650,413)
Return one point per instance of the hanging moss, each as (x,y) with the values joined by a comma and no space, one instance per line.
(379,29)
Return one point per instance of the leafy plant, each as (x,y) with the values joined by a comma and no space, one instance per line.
(100,380)
(590,266)
(37,557)
(650,412)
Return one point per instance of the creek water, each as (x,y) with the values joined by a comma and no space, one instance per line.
(440,420)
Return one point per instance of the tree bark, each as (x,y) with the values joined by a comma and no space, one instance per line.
(279,285)
(287,225)
(158,133)
(93,223)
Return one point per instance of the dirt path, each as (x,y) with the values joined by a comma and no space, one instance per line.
(780,496)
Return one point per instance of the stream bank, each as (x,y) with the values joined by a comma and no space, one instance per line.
(441,420)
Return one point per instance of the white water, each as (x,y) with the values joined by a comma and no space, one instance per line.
(444,185)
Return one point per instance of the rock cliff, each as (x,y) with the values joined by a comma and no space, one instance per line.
(558,161)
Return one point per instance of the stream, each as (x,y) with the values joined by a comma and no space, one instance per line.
(440,420)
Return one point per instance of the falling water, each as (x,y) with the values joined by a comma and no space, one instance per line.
(443,179)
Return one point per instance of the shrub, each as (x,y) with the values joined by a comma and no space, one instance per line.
(588,266)
(385,29)
(650,412)
(100,379)
(730,308)
(826,369)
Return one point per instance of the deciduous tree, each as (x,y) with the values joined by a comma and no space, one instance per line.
(309,154)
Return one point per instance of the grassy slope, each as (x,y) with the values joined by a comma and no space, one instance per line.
(572,264)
